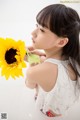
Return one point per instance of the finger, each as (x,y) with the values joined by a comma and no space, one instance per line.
(33,64)
(42,58)
(30,48)
(38,53)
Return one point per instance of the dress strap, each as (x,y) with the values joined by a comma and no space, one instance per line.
(55,61)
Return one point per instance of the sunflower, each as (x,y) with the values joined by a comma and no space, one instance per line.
(12,57)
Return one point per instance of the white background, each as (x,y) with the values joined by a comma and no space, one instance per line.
(17,20)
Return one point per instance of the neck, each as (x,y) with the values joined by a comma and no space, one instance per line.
(56,54)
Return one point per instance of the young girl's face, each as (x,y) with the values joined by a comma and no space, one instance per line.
(43,38)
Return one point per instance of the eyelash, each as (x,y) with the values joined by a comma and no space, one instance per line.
(40,28)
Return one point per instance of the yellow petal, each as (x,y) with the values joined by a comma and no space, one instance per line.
(14,69)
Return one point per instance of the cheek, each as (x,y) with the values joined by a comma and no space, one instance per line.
(49,43)
(44,43)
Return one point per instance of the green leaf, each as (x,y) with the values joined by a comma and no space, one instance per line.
(33,58)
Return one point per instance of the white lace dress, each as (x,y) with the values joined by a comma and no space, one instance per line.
(62,96)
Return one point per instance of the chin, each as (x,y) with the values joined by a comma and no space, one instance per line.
(36,46)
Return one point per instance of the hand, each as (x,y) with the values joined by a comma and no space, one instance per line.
(37,52)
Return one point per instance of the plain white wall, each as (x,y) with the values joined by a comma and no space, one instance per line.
(17,17)
(17,20)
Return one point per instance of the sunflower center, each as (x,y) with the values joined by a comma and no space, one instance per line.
(10,56)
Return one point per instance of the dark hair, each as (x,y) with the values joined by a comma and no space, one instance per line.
(64,22)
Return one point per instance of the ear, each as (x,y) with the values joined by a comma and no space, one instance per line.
(62,42)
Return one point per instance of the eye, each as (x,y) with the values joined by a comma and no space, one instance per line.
(42,30)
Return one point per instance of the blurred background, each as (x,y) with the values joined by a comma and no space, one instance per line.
(17,21)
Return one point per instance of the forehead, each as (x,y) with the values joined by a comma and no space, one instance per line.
(44,19)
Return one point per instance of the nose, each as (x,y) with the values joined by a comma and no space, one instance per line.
(34,33)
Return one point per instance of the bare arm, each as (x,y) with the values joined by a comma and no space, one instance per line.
(44,74)
(30,85)
(42,58)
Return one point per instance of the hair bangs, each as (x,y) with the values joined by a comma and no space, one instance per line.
(43,19)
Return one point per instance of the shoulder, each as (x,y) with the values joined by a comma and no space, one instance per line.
(44,74)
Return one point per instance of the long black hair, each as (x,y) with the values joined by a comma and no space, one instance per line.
(64,22)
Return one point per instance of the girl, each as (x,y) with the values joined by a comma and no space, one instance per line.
(57,33)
